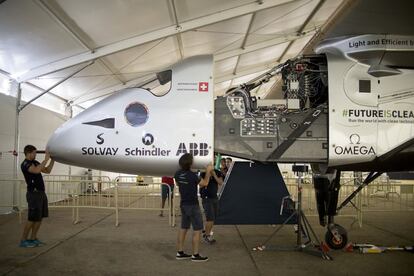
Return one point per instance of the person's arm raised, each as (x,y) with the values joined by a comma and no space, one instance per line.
(39,168)
(204,182)
(49,168)
(219,179)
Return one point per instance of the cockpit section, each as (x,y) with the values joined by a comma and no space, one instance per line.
(291,128)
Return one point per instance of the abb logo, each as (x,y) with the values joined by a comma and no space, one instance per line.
(203,87)
(200,149)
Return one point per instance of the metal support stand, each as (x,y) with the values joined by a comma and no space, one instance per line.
(16,186)
(19,108)
(311,244)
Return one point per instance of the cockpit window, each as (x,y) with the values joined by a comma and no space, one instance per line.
(136,114)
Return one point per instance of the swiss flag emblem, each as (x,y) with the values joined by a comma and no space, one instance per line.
(203,87)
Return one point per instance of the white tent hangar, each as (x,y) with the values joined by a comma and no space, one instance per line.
(58,57)
(43,42)
(65,56)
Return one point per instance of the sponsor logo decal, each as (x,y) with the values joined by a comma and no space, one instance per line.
(99,151)
(193,86)
(196,149)
(147,152)
(187,86)
(203,87)
(379,116)
(354,139)
(99,139)
(374,113)
(148,139)
(375,41)
(354,148)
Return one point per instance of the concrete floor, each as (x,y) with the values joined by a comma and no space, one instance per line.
(144,244)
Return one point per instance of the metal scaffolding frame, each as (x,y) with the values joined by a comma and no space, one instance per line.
(19,108)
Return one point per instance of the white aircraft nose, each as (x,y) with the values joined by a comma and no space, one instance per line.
(59,145)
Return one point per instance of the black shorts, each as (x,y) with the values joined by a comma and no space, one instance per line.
(37,206)
(191,215)
(165,191)
(210,206)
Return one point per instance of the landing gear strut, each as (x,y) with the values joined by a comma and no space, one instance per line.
(327,187)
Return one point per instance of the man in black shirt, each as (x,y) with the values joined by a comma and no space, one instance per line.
(229,162)
(223,166)
(210,203)
(187,182)
(36,196)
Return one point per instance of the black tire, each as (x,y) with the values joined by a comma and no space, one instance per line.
(332,242)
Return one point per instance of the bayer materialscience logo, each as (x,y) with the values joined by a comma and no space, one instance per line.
(148,139)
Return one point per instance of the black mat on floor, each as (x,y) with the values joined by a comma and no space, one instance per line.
(253,195)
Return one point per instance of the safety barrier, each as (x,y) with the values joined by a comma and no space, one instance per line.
(59,187)
(133,195)
(392,197)
(126,193)
(74,192)
(80,193)
(308,193)
(309,206)
(7,185)
(382,195)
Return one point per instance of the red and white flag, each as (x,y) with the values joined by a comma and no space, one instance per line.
(203,87)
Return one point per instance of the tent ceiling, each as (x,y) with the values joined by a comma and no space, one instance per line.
(245,36)
(115,20)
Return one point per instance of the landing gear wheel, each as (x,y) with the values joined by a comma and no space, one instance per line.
(336,237)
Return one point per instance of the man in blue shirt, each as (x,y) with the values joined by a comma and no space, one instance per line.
(187,182)
(36,196)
